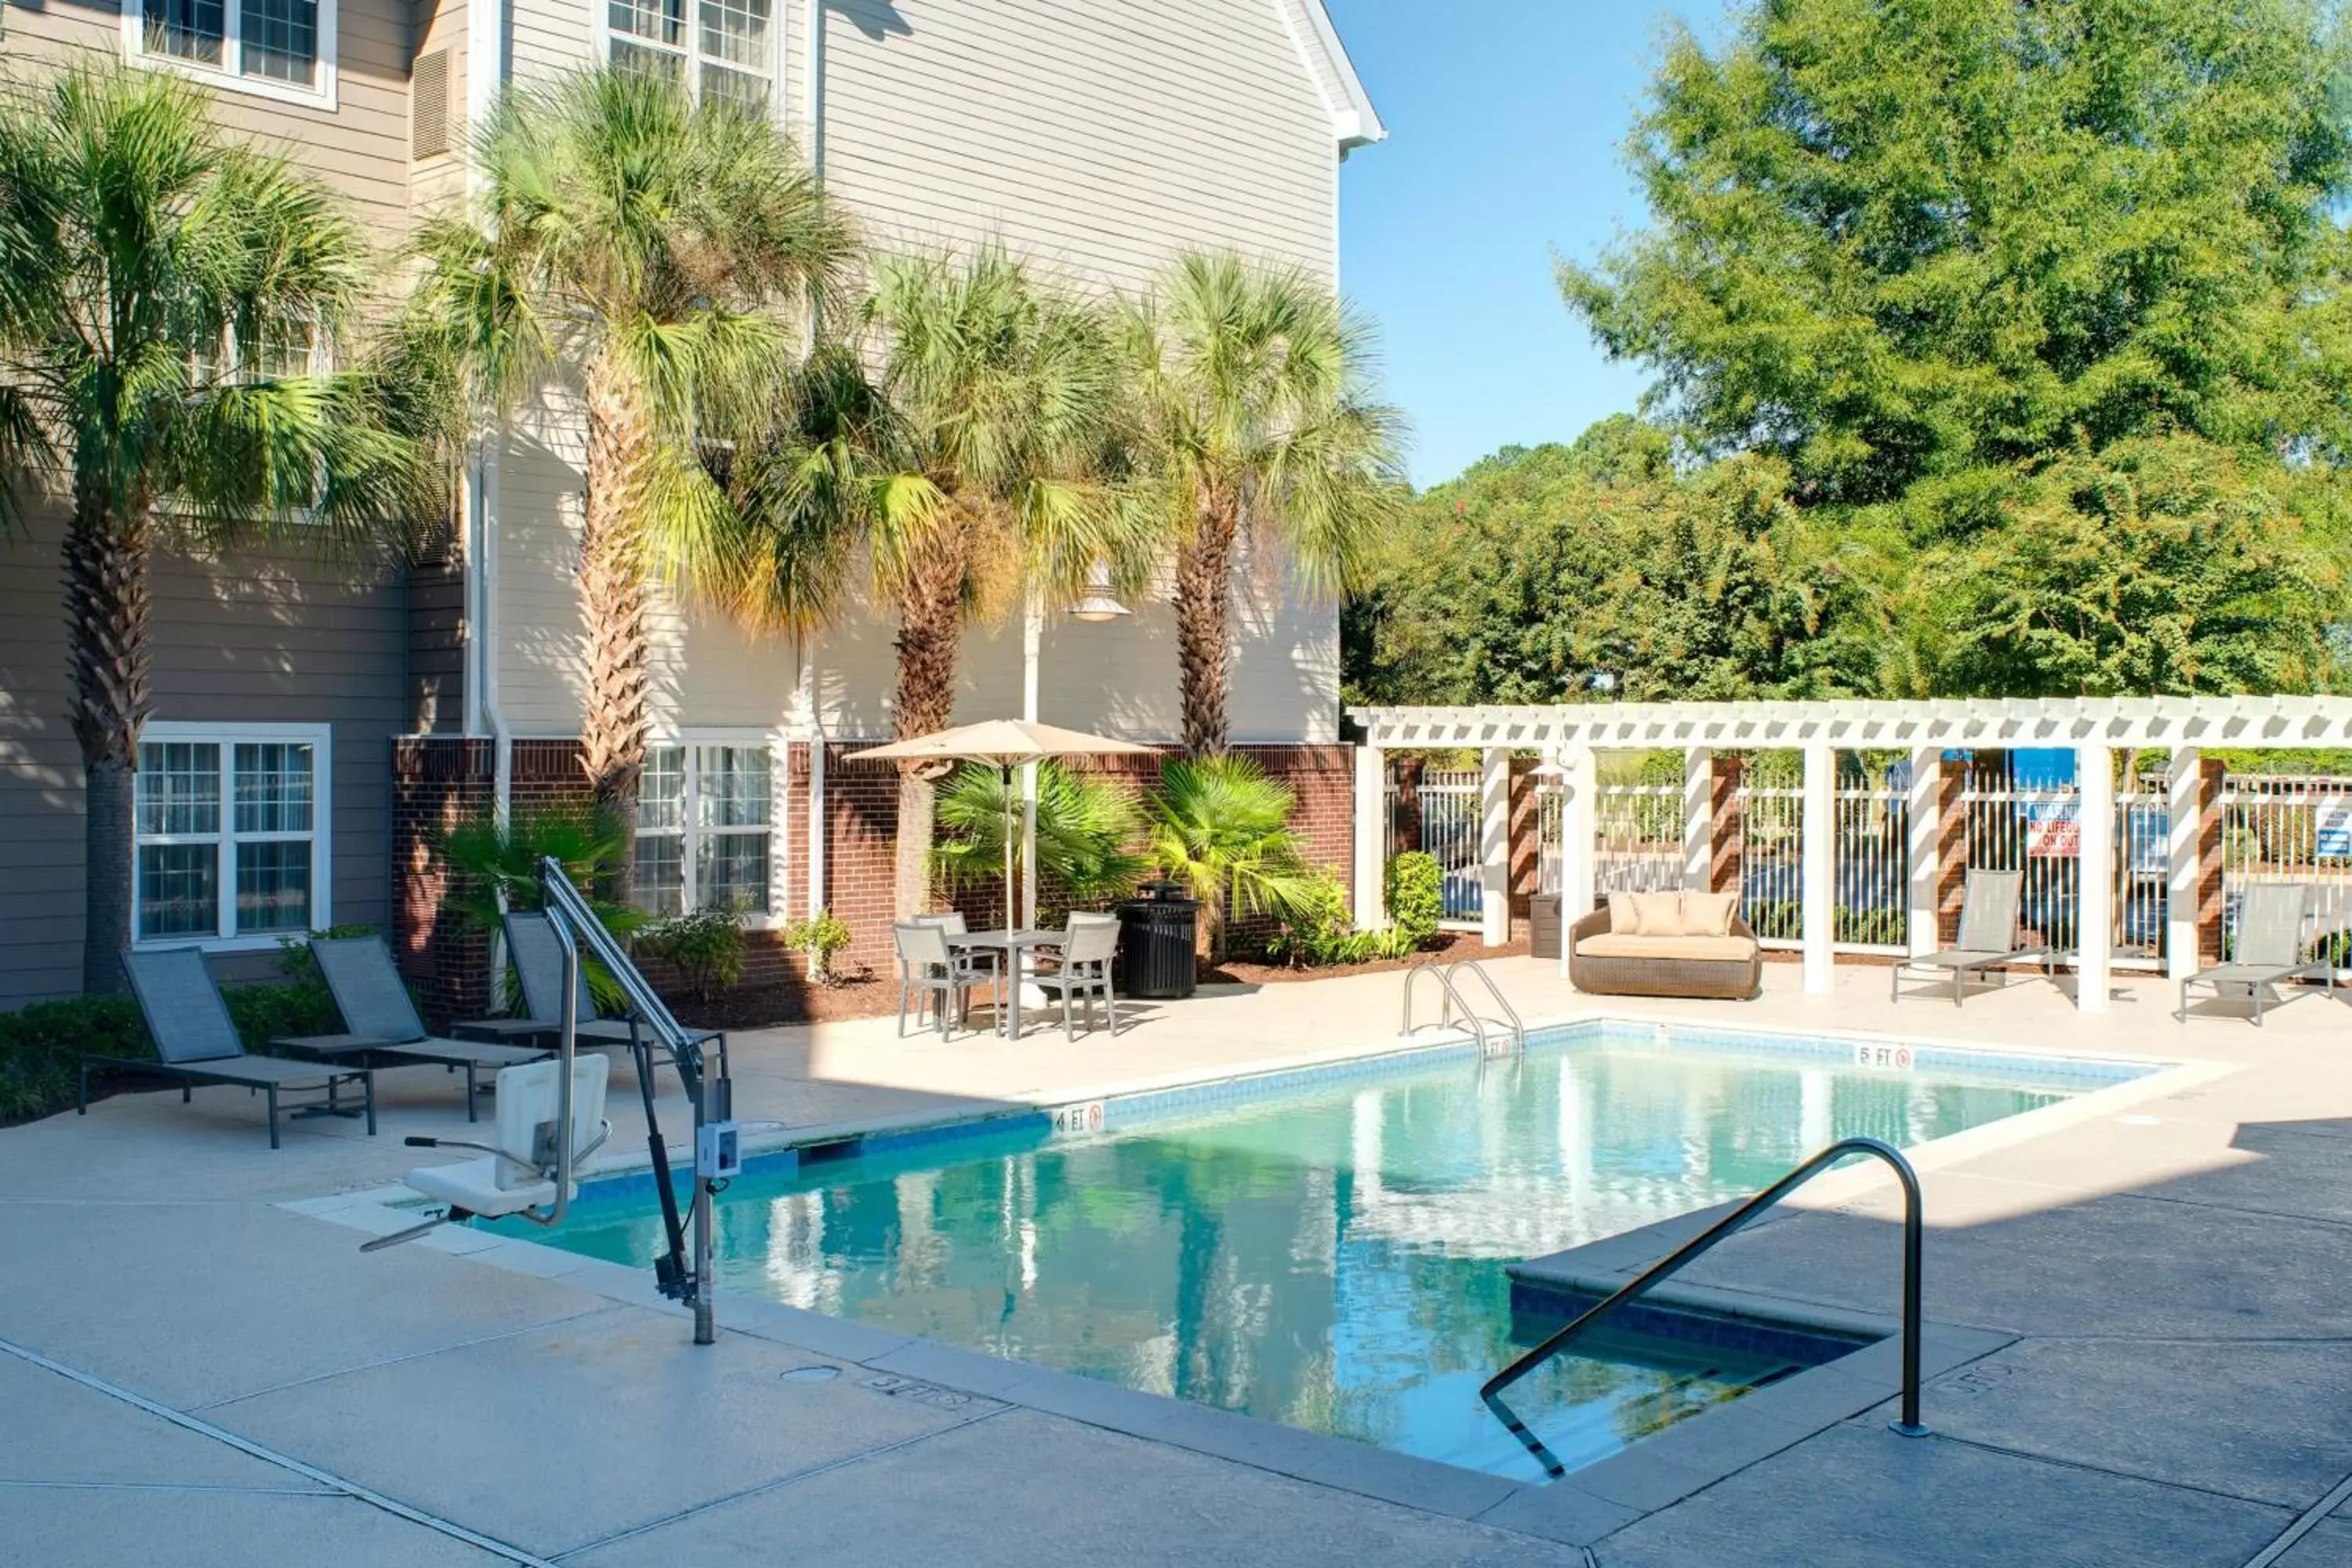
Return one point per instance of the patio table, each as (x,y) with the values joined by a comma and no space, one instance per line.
(1011,944)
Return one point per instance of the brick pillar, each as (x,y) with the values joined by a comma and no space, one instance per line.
(1408,803)
(1723,838)
(2208,860)
(437,782)
(1525,836)
(1951,852)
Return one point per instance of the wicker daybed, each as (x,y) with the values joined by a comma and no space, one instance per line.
(1711,954)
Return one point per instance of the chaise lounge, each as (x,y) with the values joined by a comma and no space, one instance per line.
(1666,945)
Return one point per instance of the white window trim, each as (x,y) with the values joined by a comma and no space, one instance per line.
(224,78)
(319,738)
(691,51)
(778,789)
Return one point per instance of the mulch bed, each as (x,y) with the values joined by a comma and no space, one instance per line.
(1450,947)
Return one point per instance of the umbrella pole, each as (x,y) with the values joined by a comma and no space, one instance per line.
(1007,770)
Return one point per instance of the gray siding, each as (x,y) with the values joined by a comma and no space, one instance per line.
(266,637)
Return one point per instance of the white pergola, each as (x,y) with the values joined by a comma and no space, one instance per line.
(2094,727)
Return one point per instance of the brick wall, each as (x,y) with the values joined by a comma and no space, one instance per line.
(437,782)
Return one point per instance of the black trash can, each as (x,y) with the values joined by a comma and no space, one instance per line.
(1156,937)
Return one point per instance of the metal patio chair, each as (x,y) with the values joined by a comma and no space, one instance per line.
(2268,950)
(1089,946)
(929,969)
(195,1042)
(1988,938)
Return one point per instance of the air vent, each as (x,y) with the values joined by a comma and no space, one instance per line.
(428,105)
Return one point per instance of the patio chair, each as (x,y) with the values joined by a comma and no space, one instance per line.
(519,1170)
(1988,937)
(929,968)
(1088,948)
(383,1022)
(538,959)
(2269,949)
(196,1042)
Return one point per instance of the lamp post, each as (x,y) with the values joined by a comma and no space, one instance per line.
(1098,605)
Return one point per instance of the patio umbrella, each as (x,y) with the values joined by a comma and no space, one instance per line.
(1006,744)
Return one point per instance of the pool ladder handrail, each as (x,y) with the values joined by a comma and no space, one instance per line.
(1456,1005)
(1906,1423)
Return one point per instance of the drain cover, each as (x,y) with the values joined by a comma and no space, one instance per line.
(812,1373)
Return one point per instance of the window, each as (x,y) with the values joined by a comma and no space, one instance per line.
(280,49)
(726,51)
(704,815)
(231,833)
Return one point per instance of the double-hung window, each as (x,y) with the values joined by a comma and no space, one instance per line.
(719,48)
(705,825)
(280,49)
(231,833)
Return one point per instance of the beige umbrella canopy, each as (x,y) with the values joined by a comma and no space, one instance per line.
(1006,744)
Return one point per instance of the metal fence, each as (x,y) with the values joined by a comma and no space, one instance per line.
(1451,808)
(1637,831)
(2290,829)
(2038,831)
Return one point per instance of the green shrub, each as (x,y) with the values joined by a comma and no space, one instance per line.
(825,934)
(706,947)
(1414,894)
(1322,932)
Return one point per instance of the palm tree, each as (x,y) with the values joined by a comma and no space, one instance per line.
(1009,393)
(165,294)
(1222,827)
(1260,432)
(652,247)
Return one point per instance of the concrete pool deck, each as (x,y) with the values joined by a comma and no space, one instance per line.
(2145,1340)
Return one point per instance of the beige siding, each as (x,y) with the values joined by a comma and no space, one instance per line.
(1103,137)
(548,37)
(268,636)
(360,146)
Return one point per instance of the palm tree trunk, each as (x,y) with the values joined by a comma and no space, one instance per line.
(1204,599)
(930,629)
(613,592)
(106,557)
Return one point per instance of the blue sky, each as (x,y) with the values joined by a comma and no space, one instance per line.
(1505,134)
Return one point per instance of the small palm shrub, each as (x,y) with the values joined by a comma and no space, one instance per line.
(1414,894)
(496,867)
(705,947)
(1086,830)
(1322,932)
(1222,827)
(823,935)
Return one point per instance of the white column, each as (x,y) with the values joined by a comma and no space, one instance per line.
(1923,854)
(1820,818)
(813,697)
(1495,845)
(1371,836)
(1579,793)
(1033,631)
(1698,818)
(2095,909)
(2182,799)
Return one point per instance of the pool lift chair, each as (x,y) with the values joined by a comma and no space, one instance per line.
(557,1125)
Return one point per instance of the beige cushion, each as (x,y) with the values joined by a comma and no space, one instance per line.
(1654,914)
(1709,914)
(1613,944)
(1622,916)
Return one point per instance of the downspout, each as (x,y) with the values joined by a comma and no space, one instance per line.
(486,75)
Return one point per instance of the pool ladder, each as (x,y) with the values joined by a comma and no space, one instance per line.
(1515,1033)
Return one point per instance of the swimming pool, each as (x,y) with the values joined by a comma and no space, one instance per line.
(1328,1249)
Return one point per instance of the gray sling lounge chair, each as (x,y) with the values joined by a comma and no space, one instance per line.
(538,959)
(196,1042)
(383,1024)
(1988,934)
(2269,949)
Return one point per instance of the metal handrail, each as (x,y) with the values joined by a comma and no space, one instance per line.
(1519,1029)
(1453,1001)
(1908,1423)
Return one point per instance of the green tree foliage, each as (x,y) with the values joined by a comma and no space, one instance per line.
(1084,828)
(1222,827)
(1897,238)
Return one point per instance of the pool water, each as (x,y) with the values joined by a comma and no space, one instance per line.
(1332,1257)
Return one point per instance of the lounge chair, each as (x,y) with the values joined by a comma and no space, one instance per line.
(1089,945)
(537,959)
(2268,950)
(383,1024)
(196,1042)
(1988,938)
(519,1170)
